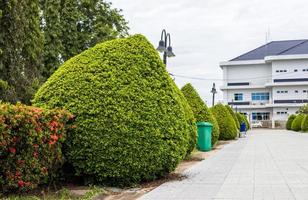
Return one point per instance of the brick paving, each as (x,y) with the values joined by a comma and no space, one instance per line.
(267,164)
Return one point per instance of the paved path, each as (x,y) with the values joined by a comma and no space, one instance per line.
(268,164)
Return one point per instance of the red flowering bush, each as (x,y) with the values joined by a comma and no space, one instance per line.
(30,145)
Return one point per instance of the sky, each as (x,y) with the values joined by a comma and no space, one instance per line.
(207,32)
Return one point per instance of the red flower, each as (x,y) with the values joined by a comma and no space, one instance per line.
(53,125)
(52,142)
(35,155)
(17,174)
(35,146)
(54,137)
(12,150)
(21,183)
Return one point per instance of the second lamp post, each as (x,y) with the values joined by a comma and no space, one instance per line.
(163,47)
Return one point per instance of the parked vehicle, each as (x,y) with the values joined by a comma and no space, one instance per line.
(256,124)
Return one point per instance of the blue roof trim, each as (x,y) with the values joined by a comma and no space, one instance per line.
(286,47)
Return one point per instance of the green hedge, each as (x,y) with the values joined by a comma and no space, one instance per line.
(30,145)
(237,123)
(289,122)
(304,125)
(226,123)
(133,123)
(297,122)
(200,110)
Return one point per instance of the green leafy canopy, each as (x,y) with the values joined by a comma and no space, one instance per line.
(200,109)
(133,123)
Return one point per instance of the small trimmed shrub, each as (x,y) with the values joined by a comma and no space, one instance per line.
(226,123)
(133,123)
(237,123)
(30,145)
(242,119)
(200,110)
(289,122)
(304,125)
(297,122)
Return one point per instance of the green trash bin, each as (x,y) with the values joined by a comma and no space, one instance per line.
(204,136)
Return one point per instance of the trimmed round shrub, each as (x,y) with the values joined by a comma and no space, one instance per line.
(244,117)
(200,110)
(133,123)
(237,123)
(297,122)
(289,122)
(226,123)
(304,125)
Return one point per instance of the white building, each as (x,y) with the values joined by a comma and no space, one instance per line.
(268,83)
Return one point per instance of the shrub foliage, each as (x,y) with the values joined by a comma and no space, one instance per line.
(289,122)
(132,120)
(237,123)
(304,125)
(227,126)
(30,145)
(242,119)
(297,122)
(200,110)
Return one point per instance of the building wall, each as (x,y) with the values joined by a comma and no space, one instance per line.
(290,68)
(248,73)
(289,92)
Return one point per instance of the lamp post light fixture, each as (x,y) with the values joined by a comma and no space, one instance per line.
(162,46)
(214,91)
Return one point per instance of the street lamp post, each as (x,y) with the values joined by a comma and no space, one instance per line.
(162,46)
(214,91)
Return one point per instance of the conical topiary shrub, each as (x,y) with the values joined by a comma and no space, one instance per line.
(200,110)
(133,123)
(297,122)
(289,122)
(237,123)
(304,125)
(226,123)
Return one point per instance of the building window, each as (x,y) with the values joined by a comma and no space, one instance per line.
(304,70)
(295,70)
(282,91)
(282,113)
(261,116)
(238,97)
(305,91)
(260,96)
(285,70)
(296,91)
(277,71)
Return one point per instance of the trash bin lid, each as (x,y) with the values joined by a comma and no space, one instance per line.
(207,124)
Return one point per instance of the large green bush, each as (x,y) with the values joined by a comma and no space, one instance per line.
(200,110)
(289,122)
(30,146)
(226,123)
(133,123)
(304,125)
(297,122)
(237,123)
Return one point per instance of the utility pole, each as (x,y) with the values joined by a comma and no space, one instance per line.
(214,91)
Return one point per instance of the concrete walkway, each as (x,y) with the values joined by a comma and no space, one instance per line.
(268,164)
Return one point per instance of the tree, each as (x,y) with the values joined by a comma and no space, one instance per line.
(72,26)
(200,109)
(133,123)
(227,126)
(21,46)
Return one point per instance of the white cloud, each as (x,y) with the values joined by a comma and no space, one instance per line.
(206,32)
